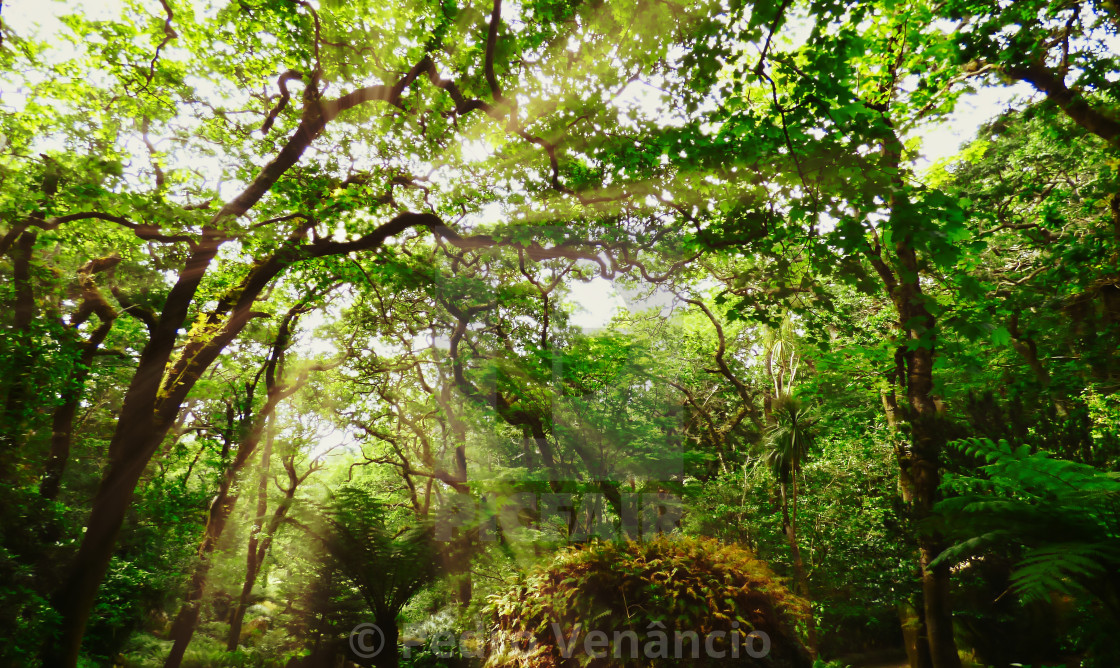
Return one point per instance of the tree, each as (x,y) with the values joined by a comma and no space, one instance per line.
(277,388)
(788,441)
(366,547)
(262,534)
(840,202)
(1054,47)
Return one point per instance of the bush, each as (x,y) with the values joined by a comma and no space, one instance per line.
(653,604)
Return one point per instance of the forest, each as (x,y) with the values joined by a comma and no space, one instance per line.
(558,333)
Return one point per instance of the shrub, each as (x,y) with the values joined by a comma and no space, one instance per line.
(653,604)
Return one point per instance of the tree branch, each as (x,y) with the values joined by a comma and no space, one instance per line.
(1071,102)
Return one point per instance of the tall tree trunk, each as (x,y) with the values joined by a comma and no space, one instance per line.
(254,561)
(911,617)
(789,524)
(186,622)
(913,626)
(935,579)
(915,361)
(136,440)
(922,465)
(927,439)
(62,422)
(182,630)
(22,356)
(141,426)
(276,391)
(251,562)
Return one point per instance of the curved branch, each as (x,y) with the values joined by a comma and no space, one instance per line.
(201,350)
(285,96)
(724,369)
(491,44)
(144,231)
(1072,102)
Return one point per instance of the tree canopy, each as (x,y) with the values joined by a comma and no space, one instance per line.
(293,338)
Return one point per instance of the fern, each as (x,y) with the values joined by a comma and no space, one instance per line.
(1064,516)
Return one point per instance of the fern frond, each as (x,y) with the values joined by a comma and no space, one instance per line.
(1064,515)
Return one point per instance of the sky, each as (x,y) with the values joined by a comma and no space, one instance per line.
(597,301)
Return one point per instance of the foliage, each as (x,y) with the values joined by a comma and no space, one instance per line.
(1063,514)
(850,524)
(789,438)
(431,185)
(366,546)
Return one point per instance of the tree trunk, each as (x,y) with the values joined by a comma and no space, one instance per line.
(141,426)
(251,562)
(926,438)
(23,358)
(789,524)
(136,439)
(389,656)
(914,365)
(187,620)
(463,546)
(913,635)
(911,617)
(254,561)
(182,630)
(935,580)
(62,429)
(259,546)
(237,619)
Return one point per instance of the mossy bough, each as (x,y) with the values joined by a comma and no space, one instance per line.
(666,602)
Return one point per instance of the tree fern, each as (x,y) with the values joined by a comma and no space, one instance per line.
(1064,516)
(388,566)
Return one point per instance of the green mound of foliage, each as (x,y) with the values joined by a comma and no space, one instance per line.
(654,603)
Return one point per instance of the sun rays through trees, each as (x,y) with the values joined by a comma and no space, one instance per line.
(354,333)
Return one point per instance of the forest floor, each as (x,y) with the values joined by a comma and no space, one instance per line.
(880,659)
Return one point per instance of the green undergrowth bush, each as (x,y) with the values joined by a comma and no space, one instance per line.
(659,600)
(144,650)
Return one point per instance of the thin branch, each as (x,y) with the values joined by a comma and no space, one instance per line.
(168,35)
(144,231)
